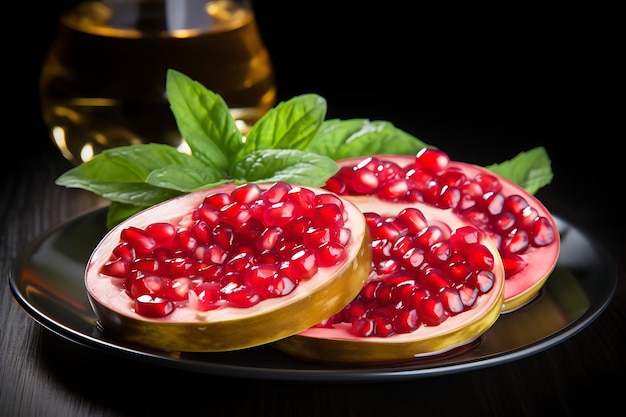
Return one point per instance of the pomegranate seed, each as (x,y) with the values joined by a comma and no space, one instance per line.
(406,321)
(432,311)
(451,300)
(259,277)
(435,279)
(236,214)
(117,268)
(296,227)
(468,295)
(362,327)
(208,213)
(184,241)
(387,170)
(280,286)
(494,203)
(383,326)
(178,267)
(413,218)
(302,265)
(394,189)
(269,238)
(364,181)
(413,258)
(207,296)
(302,198)
(440,252)
(513,264)
(433,160)
(542,233)
(218,200)
(279,214)
(449,197)
(328,214)
(368,291)
(223,235)
(276,192)
(242,297)
(515,203)
(337,185)
(429,236)
(517,241)
(488,183)
(211,272)
(212,254)
(153,306)
(246,193)
(123,250)
(483,280)
(504,222)
(459,271)
(178,289)
(480,257)
(453,178)
(141,284)
(330,254)
(141,241)
(163,233)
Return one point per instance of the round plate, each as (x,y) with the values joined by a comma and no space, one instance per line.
(47,281)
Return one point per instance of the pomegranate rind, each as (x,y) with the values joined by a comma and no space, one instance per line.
(337,345)
(228,328)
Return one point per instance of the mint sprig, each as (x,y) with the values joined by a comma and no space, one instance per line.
(292,142)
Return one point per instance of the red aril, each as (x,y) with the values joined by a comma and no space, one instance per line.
(229,267)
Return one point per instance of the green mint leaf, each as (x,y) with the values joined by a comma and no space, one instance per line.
(291,124)
(118,212)
(204,121)
(361,137)
(121,165)
(186,178)
(290,165)
(134,193)
(530,169)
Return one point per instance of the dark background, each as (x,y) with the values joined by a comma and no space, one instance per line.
(480,83)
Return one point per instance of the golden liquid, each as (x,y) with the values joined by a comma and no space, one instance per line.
(103,82)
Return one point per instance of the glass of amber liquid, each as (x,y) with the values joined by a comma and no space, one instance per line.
(102,84)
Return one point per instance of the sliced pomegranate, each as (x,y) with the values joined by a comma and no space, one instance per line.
(454,246)
(229,268)
(522,227)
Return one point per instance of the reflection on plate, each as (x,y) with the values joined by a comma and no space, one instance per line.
(47,281)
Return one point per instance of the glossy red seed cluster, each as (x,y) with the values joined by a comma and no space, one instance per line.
(421,274)
(235,250)
(510,219)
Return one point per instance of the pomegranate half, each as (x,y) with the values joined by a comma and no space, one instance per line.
(525,232)
(518,230)
(229,268)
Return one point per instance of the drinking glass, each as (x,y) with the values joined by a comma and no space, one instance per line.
(102,83)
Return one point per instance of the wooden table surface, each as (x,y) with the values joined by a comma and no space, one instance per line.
(480,107)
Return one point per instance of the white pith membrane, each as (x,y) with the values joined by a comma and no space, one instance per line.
(226,328)
(337,344)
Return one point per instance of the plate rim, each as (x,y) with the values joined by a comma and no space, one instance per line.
(389,372)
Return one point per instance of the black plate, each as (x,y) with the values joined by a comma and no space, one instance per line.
(47,281)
